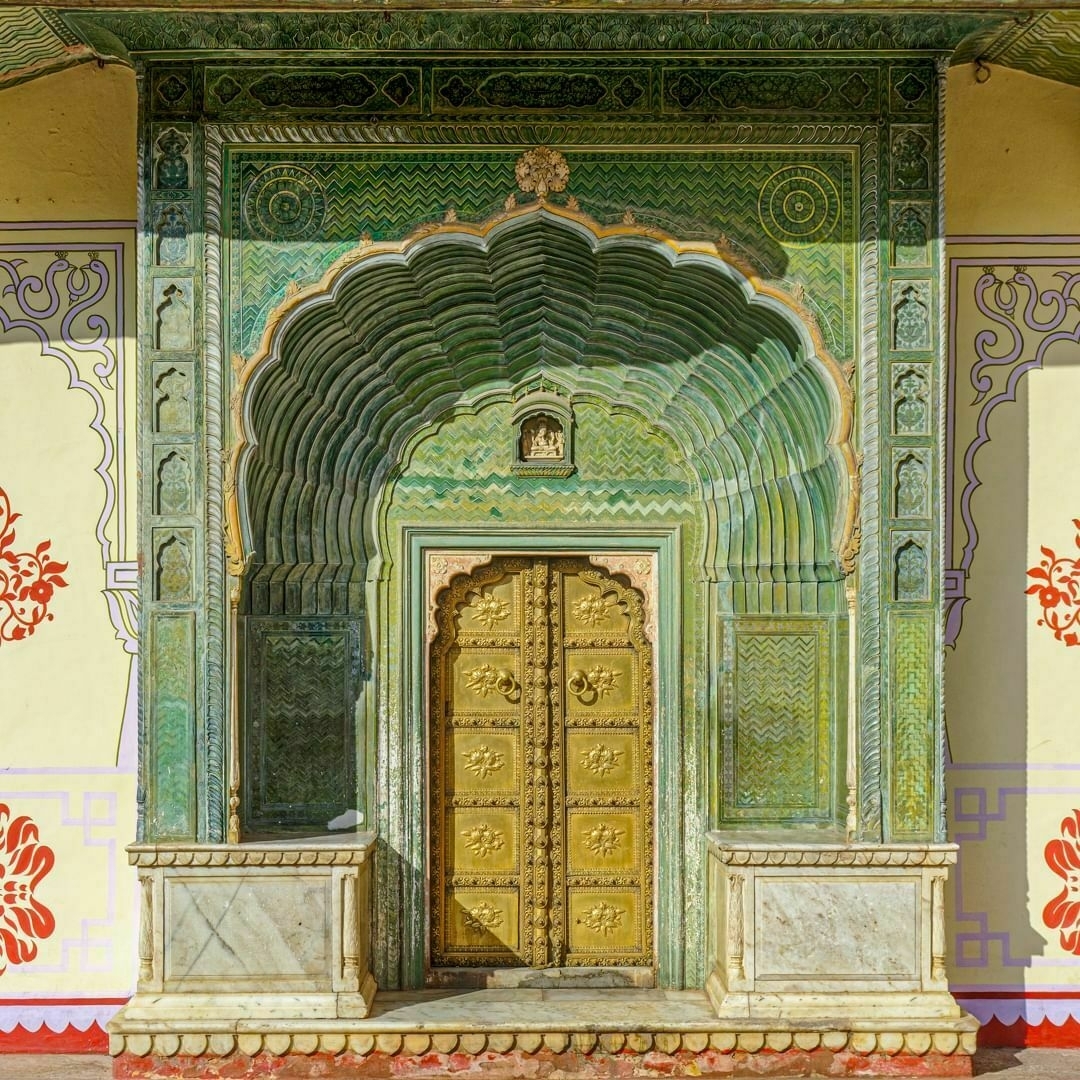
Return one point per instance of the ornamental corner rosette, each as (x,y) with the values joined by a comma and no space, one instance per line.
(542,170)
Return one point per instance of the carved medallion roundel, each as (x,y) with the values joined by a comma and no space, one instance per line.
(799,204)
(284,203)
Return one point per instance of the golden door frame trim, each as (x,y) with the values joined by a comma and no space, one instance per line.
(449,577)
(237,557)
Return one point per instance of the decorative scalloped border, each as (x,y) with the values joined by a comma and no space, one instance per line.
(475,1044)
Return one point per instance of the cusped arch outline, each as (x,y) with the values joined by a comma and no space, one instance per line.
(397,335)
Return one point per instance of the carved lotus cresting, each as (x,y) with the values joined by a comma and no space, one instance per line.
(542,170)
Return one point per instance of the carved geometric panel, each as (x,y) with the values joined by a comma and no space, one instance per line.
(912,681)
(303,680)
(172,755)
(778,723)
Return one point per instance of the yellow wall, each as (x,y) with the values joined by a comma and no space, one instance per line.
(67,155)
(1012,154)
(1013,218)
(67,203)
(67,147)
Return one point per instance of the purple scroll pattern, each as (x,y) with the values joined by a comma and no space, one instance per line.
(70,297)
(1024,319)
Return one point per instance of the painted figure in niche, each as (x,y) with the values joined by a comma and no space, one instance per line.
(909,238)
(911,572)
(174,401)
(542,439)
(173,237)
(174,570)
(174,485)
(911,404)
(172,166)
(911,488)
(911,320)
(173,319)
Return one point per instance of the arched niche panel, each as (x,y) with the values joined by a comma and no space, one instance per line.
(398,336)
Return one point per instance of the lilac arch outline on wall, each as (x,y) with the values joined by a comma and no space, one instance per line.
(1002,311)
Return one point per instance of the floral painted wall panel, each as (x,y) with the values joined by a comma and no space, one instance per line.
(1011,590)
(68,625)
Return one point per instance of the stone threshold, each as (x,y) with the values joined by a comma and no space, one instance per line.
(527,1032)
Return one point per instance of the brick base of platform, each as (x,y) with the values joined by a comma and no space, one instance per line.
(528,1054)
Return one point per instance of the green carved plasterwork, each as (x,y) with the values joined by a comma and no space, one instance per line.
(302,684)
(913,792)
(172,771)
(809,168)
(780,690)
(751,198)
(329,32)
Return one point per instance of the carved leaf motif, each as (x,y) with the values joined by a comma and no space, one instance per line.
(482,917)
(591,610)
(603,918)
(483,761)
(489,609)
(602,679)
(601,759)
(604,839)
(483,840)
(482,680)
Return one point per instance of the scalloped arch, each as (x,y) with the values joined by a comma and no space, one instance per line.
(397,336)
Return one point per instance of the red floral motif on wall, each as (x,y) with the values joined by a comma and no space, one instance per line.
(1057,583)
(1063,857)
(27,580)
(24,919)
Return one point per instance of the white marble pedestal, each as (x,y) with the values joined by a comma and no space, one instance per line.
(268,935)
(830,933)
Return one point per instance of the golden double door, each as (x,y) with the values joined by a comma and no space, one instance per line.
(541,697)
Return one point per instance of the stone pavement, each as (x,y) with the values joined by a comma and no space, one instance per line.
(994,1064)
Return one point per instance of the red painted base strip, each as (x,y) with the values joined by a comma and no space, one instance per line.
(1045,1034)
(45,1041)
(543,1065)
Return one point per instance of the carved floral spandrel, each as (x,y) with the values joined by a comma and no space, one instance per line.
(27,580)
(1057,584)
(24,861)
(1063,857)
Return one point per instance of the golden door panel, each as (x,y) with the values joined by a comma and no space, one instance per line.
(602,761)
(591,613)
(485,680)
(605,923)
(601,682)
(485,762)
(484,921)
(603,843)
(540,778)
(482,841)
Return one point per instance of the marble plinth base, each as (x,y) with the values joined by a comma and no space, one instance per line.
(829,933)
(541,1033)
(243,935)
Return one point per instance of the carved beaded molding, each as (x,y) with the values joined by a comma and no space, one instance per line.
(248,855)
(486,1046)
(836,856)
